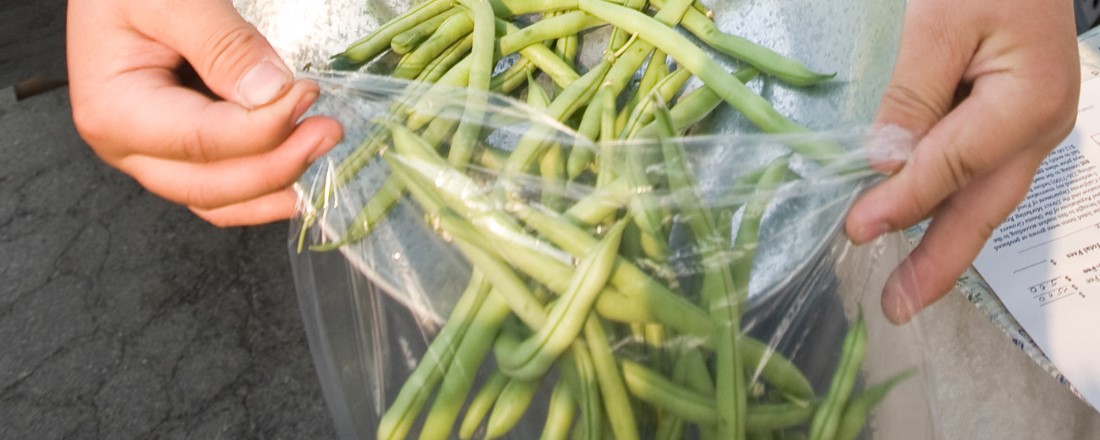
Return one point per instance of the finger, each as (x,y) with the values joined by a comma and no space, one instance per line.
(233,59)
(954,238)
(268,208)
(174,123)
(932,59)
(217,184)
(127,99)
(985,130)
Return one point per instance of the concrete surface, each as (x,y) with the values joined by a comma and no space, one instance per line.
(123,316)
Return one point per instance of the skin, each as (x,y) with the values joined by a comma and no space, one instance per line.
(987,90)
(228,143)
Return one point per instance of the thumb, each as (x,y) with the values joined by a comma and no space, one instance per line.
(933,56)
(233,59)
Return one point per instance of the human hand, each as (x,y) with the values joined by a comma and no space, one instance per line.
(228,148)
(988,90)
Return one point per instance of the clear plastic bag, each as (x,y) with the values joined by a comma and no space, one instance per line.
(683,286)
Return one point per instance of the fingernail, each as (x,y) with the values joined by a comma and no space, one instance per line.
(261,84)
(871,232)
(898,307)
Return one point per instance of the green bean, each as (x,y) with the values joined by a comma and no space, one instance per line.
(560,412)
(583,153)
(719,287)
(669,427)
(693,107)
(696,374)
(355,161)
(651,387)
(647,213)
(481,404)
(514,76)
(567,47)
(384,199)
(666,307)
(698,379)
(445,61)
(547,61)
(616,401)
(373,212)
(540,55)
(533,357)
(568,101)
(773,416)
(627,61)
(642,114)
(607,137)
(459,378)
(491,159)
(536,95)
(552,170)
(407,41)
(370,46)
(553,274)
(514,401)
(558,27)
(655,70)
(755,108)
(859,407)
(775,369)
(766,60)
(580,373)
(513,8)
(451,31)
(465,138)
(619,38)
(826,419)
(631,57)
(552,164)
(600,203)
(431,168)
(514,291)
(423,169)
(414,393)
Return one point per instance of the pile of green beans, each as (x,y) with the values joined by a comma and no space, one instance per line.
(574,290)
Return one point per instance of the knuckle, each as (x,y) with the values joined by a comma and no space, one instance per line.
(921,208)
(195,147)
(906,103)
(959,167)
(90,125)
(228,50)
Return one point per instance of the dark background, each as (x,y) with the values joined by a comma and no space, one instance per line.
(121,315)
